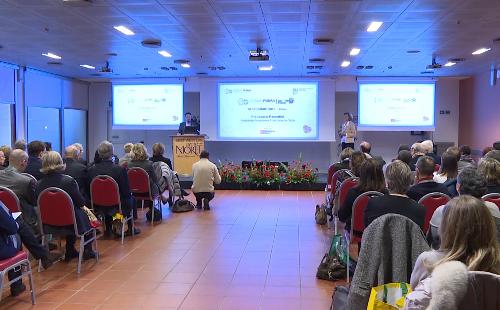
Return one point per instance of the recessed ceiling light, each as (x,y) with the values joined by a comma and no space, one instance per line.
(360,67)
(186,65)
(345,63)
(481,50)
(323,41)
(313,72)
(265,68)
(165,54)
(450,63)
(51,55)
(374,26)
(87,66)
(427,72)
(413,51)
(316,60)
(124,30)
(354,51)
(369,67)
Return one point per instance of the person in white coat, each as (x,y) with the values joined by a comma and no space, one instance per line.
(348,132)
(205,175)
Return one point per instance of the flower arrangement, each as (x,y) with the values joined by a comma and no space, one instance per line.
(301,172)
(230,172)
(262,173)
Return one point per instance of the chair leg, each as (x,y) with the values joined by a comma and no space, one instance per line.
(32,284)
(142,205)
(80,254)
(133,226)
(40,261)
(94,245)
(123,230)
(1,284)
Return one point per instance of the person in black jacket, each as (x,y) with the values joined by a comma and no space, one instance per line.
(53,169)
(35,151)
(425,182)
(189,126)
(158,151)
(77,171)
(371,178)
(107,167)
(398,178)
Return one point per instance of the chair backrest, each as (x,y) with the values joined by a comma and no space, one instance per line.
(138,179)
(331,171)
(104,192)
(431,202)
(338,177)
(9,199)
(344,189)
(56,208)
(493,197)
(358,209)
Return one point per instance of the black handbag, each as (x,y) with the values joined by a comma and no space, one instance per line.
(330,269)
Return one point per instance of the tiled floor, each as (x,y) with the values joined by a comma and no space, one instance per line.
(253,250)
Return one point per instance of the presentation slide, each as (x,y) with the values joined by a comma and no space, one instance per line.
(152,106)
(396,107)
(268,111)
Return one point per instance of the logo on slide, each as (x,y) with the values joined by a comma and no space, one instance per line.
(307,129)
(242,101)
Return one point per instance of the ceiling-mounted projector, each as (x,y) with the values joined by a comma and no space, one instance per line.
(258,55)
(434,64)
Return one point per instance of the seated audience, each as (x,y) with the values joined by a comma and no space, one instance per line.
(404,147)
(158,151)
(404,156)
(79,158)
(6,152)
(469,182)
(13,232)
(486,150)
(429,151)
(366,148)
(417,151)
(496,145)
(48,146)
(465,157)
(371,178)
(127,148)
(449,168)
(468,236)
(398,178)
(35,151)
(495,154)
(343,163)
(2,160)
(77,170)
(23,186)
(140,160)
(53,170)
(205,175)
(20,145)
(490,170)
(357,159)
(425,183)
(105,166)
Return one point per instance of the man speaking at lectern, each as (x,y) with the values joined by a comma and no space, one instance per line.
(189,126)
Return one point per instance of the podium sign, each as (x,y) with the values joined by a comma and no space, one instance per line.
(186,151)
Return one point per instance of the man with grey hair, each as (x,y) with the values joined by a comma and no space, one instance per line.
(425,183)
(398,178)
(79,156)
(20,145)
(107,167)
(429,151)
(77,170)
(417,151)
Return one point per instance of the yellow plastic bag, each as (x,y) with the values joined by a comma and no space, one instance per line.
(389,296)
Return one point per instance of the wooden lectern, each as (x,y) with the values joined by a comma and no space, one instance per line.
(186,151)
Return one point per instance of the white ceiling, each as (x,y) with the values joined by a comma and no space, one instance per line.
(221,32)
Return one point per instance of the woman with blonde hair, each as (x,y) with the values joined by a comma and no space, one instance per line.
(140,159)
(468,235)
(489,168)
(53,170)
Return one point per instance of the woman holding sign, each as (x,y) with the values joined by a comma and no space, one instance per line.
(348,131)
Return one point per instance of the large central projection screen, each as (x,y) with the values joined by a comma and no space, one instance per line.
(268,111)
(396,106)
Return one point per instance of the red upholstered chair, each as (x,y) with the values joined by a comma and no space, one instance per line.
(331,171)
(341,195)
(493,197)
(437,167)
(56,209)
(9,199)
(105,193)
(431,202)
(20,261)
(357,219)
(138,179)
(337,178)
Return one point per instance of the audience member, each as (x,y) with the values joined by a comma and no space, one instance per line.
(357,159)
(158,151)
(13,232)
(371,178)
(425,183)
(465,157)
(486,150)
(417,151)
(429,151)
(496,145)
(205,175)
(469,182)
(2,160)
(343,163)
(490,170)
(468,236)
(22,185)
(77,170)
(53,170)
(20,145)
(105,166)
(398,178)
(127,148)
(140,160)
(35,151)
(449,168)
(404,156)
(495,154)
(366,148)
(79,158)
(6,152)
(48,146)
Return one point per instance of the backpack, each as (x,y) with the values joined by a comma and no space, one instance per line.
(320,214)
(182,205)
(158,215)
